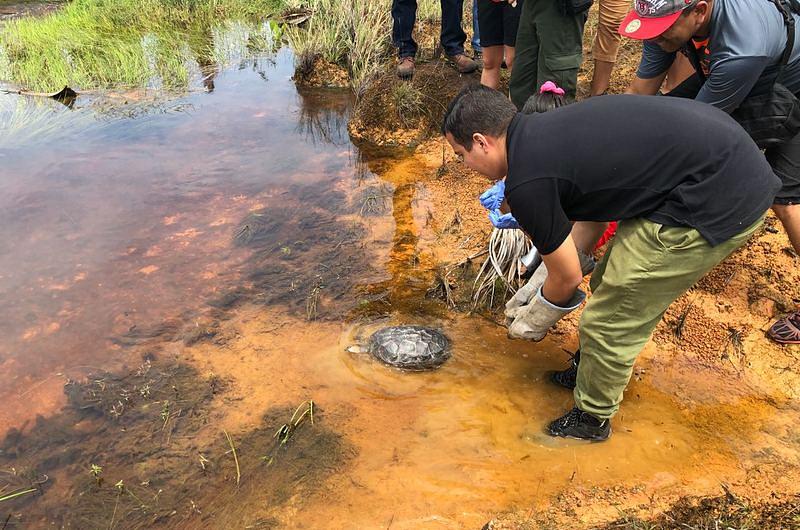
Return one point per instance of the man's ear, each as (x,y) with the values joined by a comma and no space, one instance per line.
(480,140)
(702,9)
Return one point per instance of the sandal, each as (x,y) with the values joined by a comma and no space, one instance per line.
(786,330)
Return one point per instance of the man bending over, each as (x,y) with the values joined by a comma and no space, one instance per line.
(736,47)
(687,183)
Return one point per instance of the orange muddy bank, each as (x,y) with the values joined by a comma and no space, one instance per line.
(709,357)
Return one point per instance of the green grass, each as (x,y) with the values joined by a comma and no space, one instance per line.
(116,43)
(355,34)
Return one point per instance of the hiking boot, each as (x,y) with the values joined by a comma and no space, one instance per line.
(568,377)
(463,64)
(786,330)
(581,426)
(405,67)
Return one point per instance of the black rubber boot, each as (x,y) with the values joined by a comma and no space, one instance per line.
(568,377)
(581,426)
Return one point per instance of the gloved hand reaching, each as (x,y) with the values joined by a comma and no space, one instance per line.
(525,293)
(492,198)
(502,220)
(535,319)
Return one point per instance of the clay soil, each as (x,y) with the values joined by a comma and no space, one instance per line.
(718,326)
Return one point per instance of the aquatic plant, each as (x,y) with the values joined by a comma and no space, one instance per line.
(287,430)
(93,44)
(235,458)
(15,494)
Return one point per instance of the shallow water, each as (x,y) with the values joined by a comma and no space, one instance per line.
(247,211)
(15,9)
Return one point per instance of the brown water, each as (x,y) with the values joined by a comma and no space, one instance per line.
(243,235)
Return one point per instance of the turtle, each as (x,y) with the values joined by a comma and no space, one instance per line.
(413,348)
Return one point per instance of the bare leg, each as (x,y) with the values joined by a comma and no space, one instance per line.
(508,53)
(601,77)
(787,329)
(789,215)
(492,57)
(586,233)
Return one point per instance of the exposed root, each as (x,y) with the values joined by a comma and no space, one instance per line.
(502,269)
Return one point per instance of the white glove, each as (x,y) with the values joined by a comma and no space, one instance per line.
(535,319)
(525,293)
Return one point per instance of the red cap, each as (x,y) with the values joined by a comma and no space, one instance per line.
(651,18)
(638,27)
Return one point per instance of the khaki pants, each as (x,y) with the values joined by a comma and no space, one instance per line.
(647,267)
(606,41)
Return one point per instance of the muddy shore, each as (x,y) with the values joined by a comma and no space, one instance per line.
(717,330)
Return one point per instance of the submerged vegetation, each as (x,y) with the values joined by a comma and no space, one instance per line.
(97,44)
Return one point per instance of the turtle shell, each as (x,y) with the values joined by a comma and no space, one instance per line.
(410,347)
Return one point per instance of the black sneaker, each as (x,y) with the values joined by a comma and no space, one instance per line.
(581,426)
(568,377)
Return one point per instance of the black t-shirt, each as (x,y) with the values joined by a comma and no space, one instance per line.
(673,161)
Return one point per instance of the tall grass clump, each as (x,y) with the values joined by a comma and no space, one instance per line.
(102,43)
(351,33)
(355,34)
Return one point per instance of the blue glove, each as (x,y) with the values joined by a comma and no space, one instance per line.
(502,220)
(493,197)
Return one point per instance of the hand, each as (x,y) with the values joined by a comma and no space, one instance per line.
(534,320)
(492,198)
(525,293)
(502,220)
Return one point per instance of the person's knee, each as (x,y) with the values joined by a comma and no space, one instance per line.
(490,63)
(785,212)
(492,57)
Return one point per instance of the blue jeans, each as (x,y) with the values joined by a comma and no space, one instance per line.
(476,33)
(404,14)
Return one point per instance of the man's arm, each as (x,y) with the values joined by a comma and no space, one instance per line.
(646,87)
(731,80)
(653,67)
(563,273)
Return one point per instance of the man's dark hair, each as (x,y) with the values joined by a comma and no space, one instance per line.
(477,109)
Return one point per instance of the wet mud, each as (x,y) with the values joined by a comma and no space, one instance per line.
(138,450)
(405,113)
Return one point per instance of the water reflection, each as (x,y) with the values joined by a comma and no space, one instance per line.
(118,222)
(323,115)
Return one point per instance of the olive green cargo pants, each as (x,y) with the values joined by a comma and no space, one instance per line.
(646,268)
(548,48)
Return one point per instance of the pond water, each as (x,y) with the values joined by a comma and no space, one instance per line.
(238,232)
(14,8)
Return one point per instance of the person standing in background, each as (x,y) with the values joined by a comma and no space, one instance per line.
(477,51)
(498,21)
(404,16)
(548,47)
(606,43)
